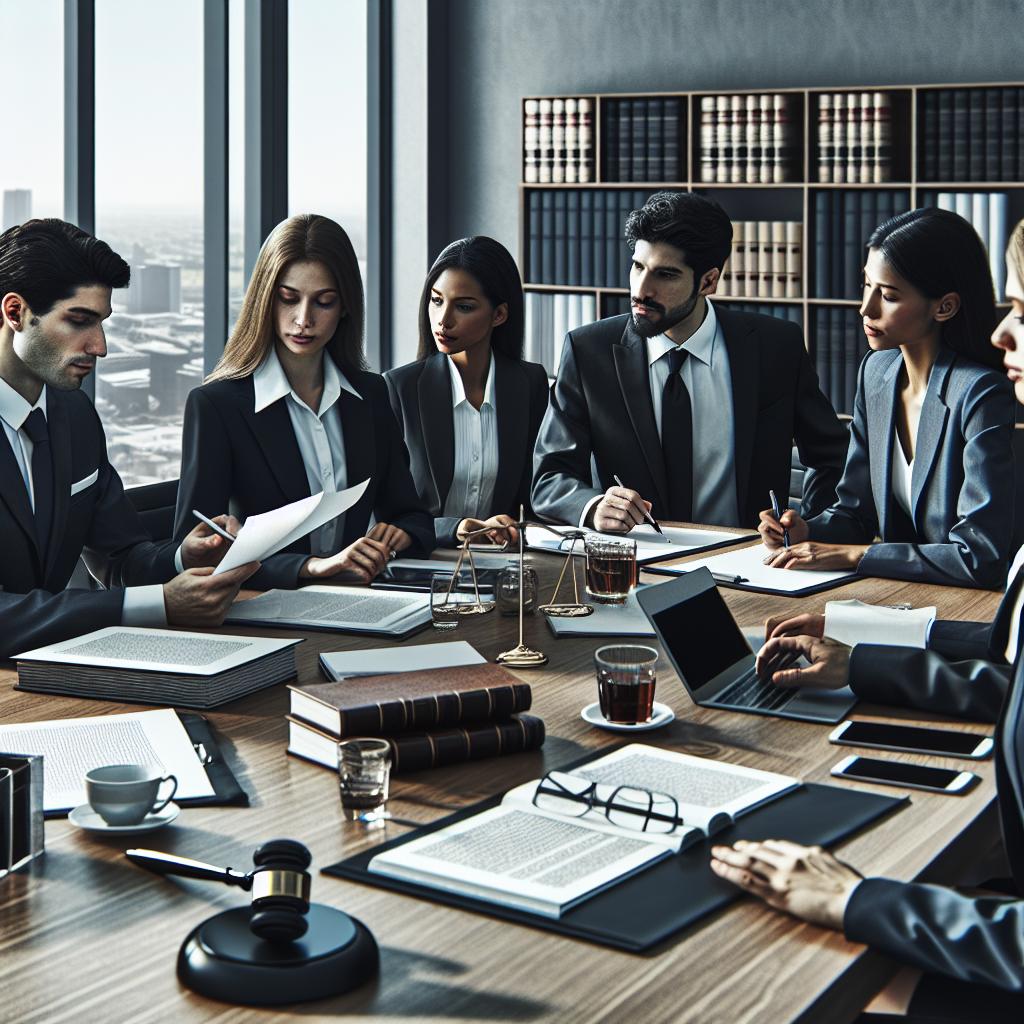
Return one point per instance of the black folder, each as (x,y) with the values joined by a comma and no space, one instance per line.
(645,909)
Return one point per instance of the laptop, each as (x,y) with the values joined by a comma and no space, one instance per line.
(713,659)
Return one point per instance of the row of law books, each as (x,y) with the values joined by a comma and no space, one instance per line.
(843,222)
(558,140)
(549,317)
(641,140)
(464,711)
(747,138)
(792,313)
(839,347)
(989,214)
(855,137)
(972,134)
(765,260)
(576,236)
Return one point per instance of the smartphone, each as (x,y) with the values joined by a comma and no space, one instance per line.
(914,739)
(902,773)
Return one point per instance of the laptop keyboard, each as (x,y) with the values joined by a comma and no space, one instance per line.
(751,692)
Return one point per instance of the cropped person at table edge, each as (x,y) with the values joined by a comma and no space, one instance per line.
(470,405)
(693,405)
(955,937)
(291,410)
(60,498)
(930,466)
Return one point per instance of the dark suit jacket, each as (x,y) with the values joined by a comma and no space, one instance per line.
(98,522)
(601,407)
(247,462)
(963,671)
(421,396)
(973,939)
(962,488)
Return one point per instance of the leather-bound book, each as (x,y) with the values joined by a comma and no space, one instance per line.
(407,701)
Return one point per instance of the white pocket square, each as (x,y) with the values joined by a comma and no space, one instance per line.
(86,481)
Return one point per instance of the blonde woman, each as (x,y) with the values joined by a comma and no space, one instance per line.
(291,409)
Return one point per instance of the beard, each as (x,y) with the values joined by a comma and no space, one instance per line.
(45,360)
(647,327)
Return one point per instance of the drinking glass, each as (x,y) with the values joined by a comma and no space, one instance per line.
(611,568)
(364,767)
(626,677)
(451,597)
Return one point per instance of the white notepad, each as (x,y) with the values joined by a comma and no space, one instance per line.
(626,619)
(650,545)
(380,661)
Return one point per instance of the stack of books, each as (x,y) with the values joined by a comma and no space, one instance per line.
(765,260)
(430,718)
(972,134)
(549,318)
(558,140)
(839,347)
(855,137)
(989,215)
(747,139)
(641,139)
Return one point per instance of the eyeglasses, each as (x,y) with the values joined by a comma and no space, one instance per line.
(628,807)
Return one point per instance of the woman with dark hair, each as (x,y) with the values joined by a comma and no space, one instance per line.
(470,407)
(291,410)
(930,464)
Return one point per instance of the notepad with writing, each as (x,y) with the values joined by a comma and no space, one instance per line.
(525,856)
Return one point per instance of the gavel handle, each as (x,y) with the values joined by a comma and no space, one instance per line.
(166,864)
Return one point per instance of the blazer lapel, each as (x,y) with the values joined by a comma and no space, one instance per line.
(631,366)
(59,426)
(359,435)
(512,398)
(745,372)
(880,442)
(434,395)
(932,427)
(14,494)
(272,428)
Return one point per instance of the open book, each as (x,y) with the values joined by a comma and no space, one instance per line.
(524,856)
(651,546)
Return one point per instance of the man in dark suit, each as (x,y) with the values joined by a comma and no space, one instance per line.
(694,406)
(59,496)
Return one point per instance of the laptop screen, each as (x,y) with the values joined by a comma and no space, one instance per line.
(702,637)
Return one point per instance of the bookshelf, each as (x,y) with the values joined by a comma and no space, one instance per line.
(959,145)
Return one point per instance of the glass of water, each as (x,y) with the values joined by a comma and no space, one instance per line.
(364,769)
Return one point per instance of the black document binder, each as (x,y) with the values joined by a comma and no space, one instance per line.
(646,909)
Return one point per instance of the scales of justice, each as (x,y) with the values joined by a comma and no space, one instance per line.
(522,656)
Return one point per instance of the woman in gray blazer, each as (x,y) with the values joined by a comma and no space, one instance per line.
(929,469)
(470,406)
(956,938)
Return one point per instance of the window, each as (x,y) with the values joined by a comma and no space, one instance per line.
(149,208)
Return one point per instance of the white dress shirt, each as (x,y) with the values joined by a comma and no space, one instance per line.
(1018,607)
(476,450)
(143,606)
(318,434)
(902,474)
(707,377)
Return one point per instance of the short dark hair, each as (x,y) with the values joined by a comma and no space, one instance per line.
(493,268)
(46,260)
(694,224)
(938,252)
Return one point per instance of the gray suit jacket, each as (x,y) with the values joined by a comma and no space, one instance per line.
(973,939)
(962,488)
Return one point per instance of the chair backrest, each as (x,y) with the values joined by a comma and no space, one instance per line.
(155,505)
(1018,489)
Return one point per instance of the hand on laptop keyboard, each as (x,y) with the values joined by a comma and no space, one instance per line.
(829,667)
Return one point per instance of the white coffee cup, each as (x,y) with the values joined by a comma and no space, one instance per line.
(123,794)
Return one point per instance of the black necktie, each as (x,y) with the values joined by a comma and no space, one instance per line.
(677,440)
(42,474)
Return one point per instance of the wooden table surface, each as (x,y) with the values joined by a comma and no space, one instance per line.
(86,936)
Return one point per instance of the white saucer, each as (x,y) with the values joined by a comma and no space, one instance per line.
(662,714)
(85,817)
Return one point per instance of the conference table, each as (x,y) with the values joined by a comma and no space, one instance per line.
(86,936)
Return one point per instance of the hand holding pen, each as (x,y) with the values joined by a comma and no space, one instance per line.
(619,510)
(781,528)
(207,544)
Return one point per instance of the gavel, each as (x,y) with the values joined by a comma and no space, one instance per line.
(279,883)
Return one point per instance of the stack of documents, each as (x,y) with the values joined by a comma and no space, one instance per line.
(157,666)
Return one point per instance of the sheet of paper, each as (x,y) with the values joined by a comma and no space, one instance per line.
(854,622)
(481,559)
(269,532)
(411,658)
(674,540)
(333,607)
(73,746)
(157,650)
(748,565)
(626,619)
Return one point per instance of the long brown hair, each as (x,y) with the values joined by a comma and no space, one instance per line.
(307,236)
(1015,253)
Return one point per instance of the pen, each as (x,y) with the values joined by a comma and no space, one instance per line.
(777,512)
(719,577)
(213,526)
(647,515)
